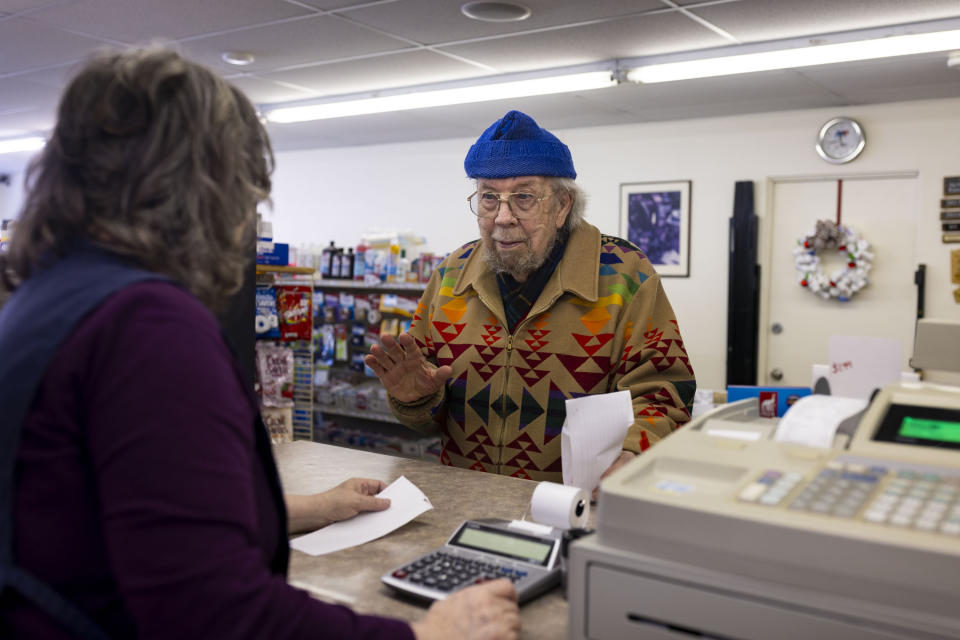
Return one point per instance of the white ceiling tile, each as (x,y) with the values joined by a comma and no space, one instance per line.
(27,121)
(632,37)
(330,5)
(56,77)
(386,72)
(37,45)
(432,22)
(709,92)
(138,21)
(891,79)
(17,94)
(758,20)
(262,91)
(16,6)
(312,39)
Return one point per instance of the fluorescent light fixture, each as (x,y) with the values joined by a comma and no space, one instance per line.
(443,97)
(16,145)
(902,45)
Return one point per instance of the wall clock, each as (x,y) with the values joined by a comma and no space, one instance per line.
(840,140)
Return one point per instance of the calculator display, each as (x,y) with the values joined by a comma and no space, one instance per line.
(512,545)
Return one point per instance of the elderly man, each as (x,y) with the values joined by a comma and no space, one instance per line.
(541,308)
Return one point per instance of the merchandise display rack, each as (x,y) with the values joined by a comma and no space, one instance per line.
(370,425)
(303,350)
(358,413)
(356,285)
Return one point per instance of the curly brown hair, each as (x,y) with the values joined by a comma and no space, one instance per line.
(153,157)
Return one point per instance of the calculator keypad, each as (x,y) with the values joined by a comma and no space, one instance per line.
(446,572)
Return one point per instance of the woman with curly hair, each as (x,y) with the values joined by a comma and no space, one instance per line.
(138,495)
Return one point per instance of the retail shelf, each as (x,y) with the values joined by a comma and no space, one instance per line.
(270,268)
(365,286)
(357,413)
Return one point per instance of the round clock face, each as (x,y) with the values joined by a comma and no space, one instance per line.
(840,140)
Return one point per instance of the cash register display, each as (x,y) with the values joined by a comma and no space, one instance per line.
(502,543)
(924,426)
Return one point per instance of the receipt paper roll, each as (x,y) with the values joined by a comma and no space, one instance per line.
(560,505)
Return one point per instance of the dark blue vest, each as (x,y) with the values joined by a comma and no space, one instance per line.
(40,315)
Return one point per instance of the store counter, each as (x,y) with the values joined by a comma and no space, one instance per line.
(352,576)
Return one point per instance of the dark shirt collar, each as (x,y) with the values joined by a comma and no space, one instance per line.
(518,297)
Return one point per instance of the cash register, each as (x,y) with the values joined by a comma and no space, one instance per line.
(711,536)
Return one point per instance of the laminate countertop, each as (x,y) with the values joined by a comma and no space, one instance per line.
(352,576)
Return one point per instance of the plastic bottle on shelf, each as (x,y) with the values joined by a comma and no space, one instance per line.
(403,266)
(379,264)
(393,262)
(360,262)
(326,260)
(336,260)
(347,261)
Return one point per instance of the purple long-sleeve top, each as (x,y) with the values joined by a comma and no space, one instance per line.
(136,487)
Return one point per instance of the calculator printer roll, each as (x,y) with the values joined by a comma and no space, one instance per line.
(560,506)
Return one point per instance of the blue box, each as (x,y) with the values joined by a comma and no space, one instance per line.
(786,396)
(279,256)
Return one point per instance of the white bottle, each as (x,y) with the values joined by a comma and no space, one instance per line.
(403,266)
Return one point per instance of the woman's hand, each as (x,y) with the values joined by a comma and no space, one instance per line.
(347,499)
(486,611)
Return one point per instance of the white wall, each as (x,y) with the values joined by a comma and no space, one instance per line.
(338,194)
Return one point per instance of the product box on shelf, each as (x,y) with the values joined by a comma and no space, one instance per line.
(273,253)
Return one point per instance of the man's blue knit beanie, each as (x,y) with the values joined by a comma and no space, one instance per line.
(514,146)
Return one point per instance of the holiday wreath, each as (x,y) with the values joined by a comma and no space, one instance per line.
(846,281)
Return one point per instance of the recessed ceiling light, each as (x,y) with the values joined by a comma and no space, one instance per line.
(495,11)
(238,58)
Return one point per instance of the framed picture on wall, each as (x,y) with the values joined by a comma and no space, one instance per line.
(655,216)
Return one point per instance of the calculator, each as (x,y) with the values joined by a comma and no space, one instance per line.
(485,549)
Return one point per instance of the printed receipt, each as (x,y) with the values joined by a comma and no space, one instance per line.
(406,503)
(592,436)
(813,420)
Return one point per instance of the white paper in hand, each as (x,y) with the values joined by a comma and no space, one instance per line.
(406,503)
(592,436)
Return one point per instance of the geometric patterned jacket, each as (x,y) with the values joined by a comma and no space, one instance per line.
(602,324)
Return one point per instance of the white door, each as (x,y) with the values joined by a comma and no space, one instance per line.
(883,211)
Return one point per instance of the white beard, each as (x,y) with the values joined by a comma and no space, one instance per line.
(518,266)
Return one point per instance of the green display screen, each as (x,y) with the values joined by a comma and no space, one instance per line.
(504,544)
(935,430)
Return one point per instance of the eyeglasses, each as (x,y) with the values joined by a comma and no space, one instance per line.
(486,204)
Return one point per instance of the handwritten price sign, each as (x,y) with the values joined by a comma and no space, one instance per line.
(860,364)
(837,367)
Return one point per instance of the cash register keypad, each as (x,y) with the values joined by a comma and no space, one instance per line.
(899,498)
(839,490)
(924,501)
